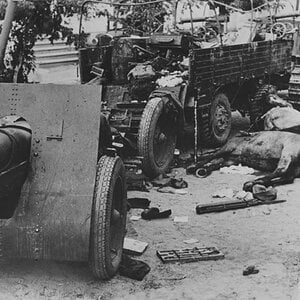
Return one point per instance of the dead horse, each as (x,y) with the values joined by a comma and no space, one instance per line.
(276,152)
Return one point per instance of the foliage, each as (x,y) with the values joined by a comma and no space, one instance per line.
(144,18)
(33,20)
(246,4)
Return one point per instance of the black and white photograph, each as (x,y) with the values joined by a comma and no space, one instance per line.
(150,149)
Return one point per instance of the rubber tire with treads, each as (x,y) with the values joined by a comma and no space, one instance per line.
(211,135)
(258,106)
(109,202)
(154,117)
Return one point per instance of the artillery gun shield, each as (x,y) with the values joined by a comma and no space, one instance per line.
(53,217)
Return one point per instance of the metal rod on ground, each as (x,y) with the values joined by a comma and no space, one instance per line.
(7,24)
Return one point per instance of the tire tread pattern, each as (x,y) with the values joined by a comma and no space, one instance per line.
(206,130)
(144,137)
(100,263)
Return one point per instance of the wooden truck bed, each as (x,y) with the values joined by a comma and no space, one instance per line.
(231,64)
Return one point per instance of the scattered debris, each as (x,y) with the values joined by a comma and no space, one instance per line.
(190,255)
(207,168)
(171,190)
(239,169)
(191,241)
(205,159)
(177,183)
(224,193)
(134,247)
(250,270)
(154,213)
(175,278)
(234,204)
(182,219)
(171,80)
(262,193)
(245,133)
(138,203)
(132,268)
(135,218)
(136,182)
(161,181)
(244,195)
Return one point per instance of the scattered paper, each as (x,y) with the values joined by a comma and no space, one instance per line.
(132,246)
(183,219)
(135,218)
(191,241)
(244,195)
(171,190)
(243,170)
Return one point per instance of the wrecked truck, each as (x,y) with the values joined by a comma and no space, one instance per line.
(158,86)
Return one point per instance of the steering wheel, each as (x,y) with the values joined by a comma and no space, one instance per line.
(200,32)
(279,29)
(210,34)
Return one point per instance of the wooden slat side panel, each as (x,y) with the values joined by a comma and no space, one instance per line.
(230,63)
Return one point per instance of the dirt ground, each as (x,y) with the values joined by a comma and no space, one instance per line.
(265,236)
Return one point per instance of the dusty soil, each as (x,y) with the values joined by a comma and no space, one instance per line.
(265,236)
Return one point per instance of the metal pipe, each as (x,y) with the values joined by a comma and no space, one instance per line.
(277,17)
(7,24)
(203,19)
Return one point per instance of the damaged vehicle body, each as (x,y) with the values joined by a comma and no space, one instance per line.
(60,200)
(157,87)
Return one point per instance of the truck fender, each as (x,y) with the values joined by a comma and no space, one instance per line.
(170,96)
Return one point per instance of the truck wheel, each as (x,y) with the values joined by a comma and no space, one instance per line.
(157,137)
(258,106)
(217,126)
(108,218)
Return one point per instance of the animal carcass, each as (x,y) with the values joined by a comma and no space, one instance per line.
(276,152)
(282,118)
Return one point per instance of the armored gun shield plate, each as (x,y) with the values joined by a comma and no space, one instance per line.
(52,220)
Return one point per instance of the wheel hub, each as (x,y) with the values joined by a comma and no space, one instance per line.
(221,118)
(161,138)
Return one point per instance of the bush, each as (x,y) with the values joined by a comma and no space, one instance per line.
(33,20)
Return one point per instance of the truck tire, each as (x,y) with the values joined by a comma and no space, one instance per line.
(216,126)
(258,106)
(156,138)
(108,218)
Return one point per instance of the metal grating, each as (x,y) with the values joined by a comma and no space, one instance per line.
(190,255)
